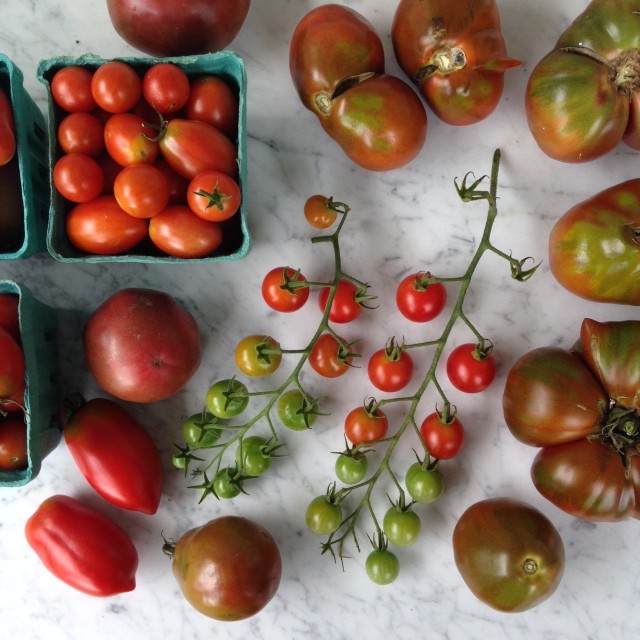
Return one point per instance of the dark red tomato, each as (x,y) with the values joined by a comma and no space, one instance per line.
(330,357)
(285,289)
(228,569)
(365,424)
(116,86)
(71,89)
(508,553)
(7,130)
(320,211)
(419,299)
(81,132)
(78,177)
(455,53)
(444,438)
(180,233)
(212,100)
(191,147)
(471,368)
(82,547)
(116,455)
(141,190)
(12,365)
(345,306)
(180,27)
(165,87)
(390,369)
(10,315)
(178,184)
(213,195)
(127,141)
(13,443)
(101,227)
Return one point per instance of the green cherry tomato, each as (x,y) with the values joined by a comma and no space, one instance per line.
(199,430)
(253,456)
(350,468)
(226,484)
(227,398)
(295,411)
(382,566)
(401,526)
(323,516)
(424,485)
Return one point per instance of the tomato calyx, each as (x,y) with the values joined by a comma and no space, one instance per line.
(483,349)
(393,350)
(214,198)
(324,101)
(423,280)
(620,431)
(443,62)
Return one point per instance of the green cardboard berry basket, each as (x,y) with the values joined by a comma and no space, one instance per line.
(236,240)
(31,170)
(38,328)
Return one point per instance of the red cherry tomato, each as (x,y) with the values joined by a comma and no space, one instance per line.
(284,289)
(444,439)
(141,190)
(330,357)
(179,232)
(213,101)
(116,87)
(71,89)
(81,133)
(345,306)
(82,547)
(13,444)
(116,455)
(213,195)
(365,424)
(166,88)
(127,140)
(101,227)
(390,369)
(420,300)
(12,365)
(78,177)
(470,369)
(319,211)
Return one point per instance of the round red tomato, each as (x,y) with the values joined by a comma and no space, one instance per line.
(165,87)
(285,289)
(419,299)
(13,444)
(365,424)
(471,368)
(213,195)
(81,133)
(444,438)
(390,369)
(116,86)
(78,177)
(141,190)
(101,227)
(346,304)
(320,211)
(212,100)
(330,357)
(12,365)
(127,140)
(178,232)
(71,89)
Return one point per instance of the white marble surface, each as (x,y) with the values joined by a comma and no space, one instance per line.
(402,220)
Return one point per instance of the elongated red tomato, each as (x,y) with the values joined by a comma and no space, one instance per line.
(82,547)
(191,147)
(116,455)
(7,130)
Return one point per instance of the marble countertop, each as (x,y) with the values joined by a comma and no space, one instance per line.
(400,221)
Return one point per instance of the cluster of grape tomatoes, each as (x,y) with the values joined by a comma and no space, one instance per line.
(145,155)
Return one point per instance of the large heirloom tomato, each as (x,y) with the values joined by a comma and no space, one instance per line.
(454,51)
(336,60)
(228,569)
(509,554)
(594,247)
(582,98)
(581,408)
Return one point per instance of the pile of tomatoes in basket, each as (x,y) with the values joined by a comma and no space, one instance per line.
(145,154)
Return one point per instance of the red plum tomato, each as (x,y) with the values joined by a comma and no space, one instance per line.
(365,424)
(78,177)
(71,89)
(127,141)
(212,100)
(81,133)
(213,195)
(141,190)
(165,87)
(116,86)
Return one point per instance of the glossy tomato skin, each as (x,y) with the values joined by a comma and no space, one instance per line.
(509,554)
(116,455)
(228,569)
(593,247)
(455,52)
(141,190)
(101,227)
(469,369)
(71,89)
(78,177)
(178,28)
(128,141)
(212,100)
(13,443)
(82,547)
(142,345)
(329,356)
